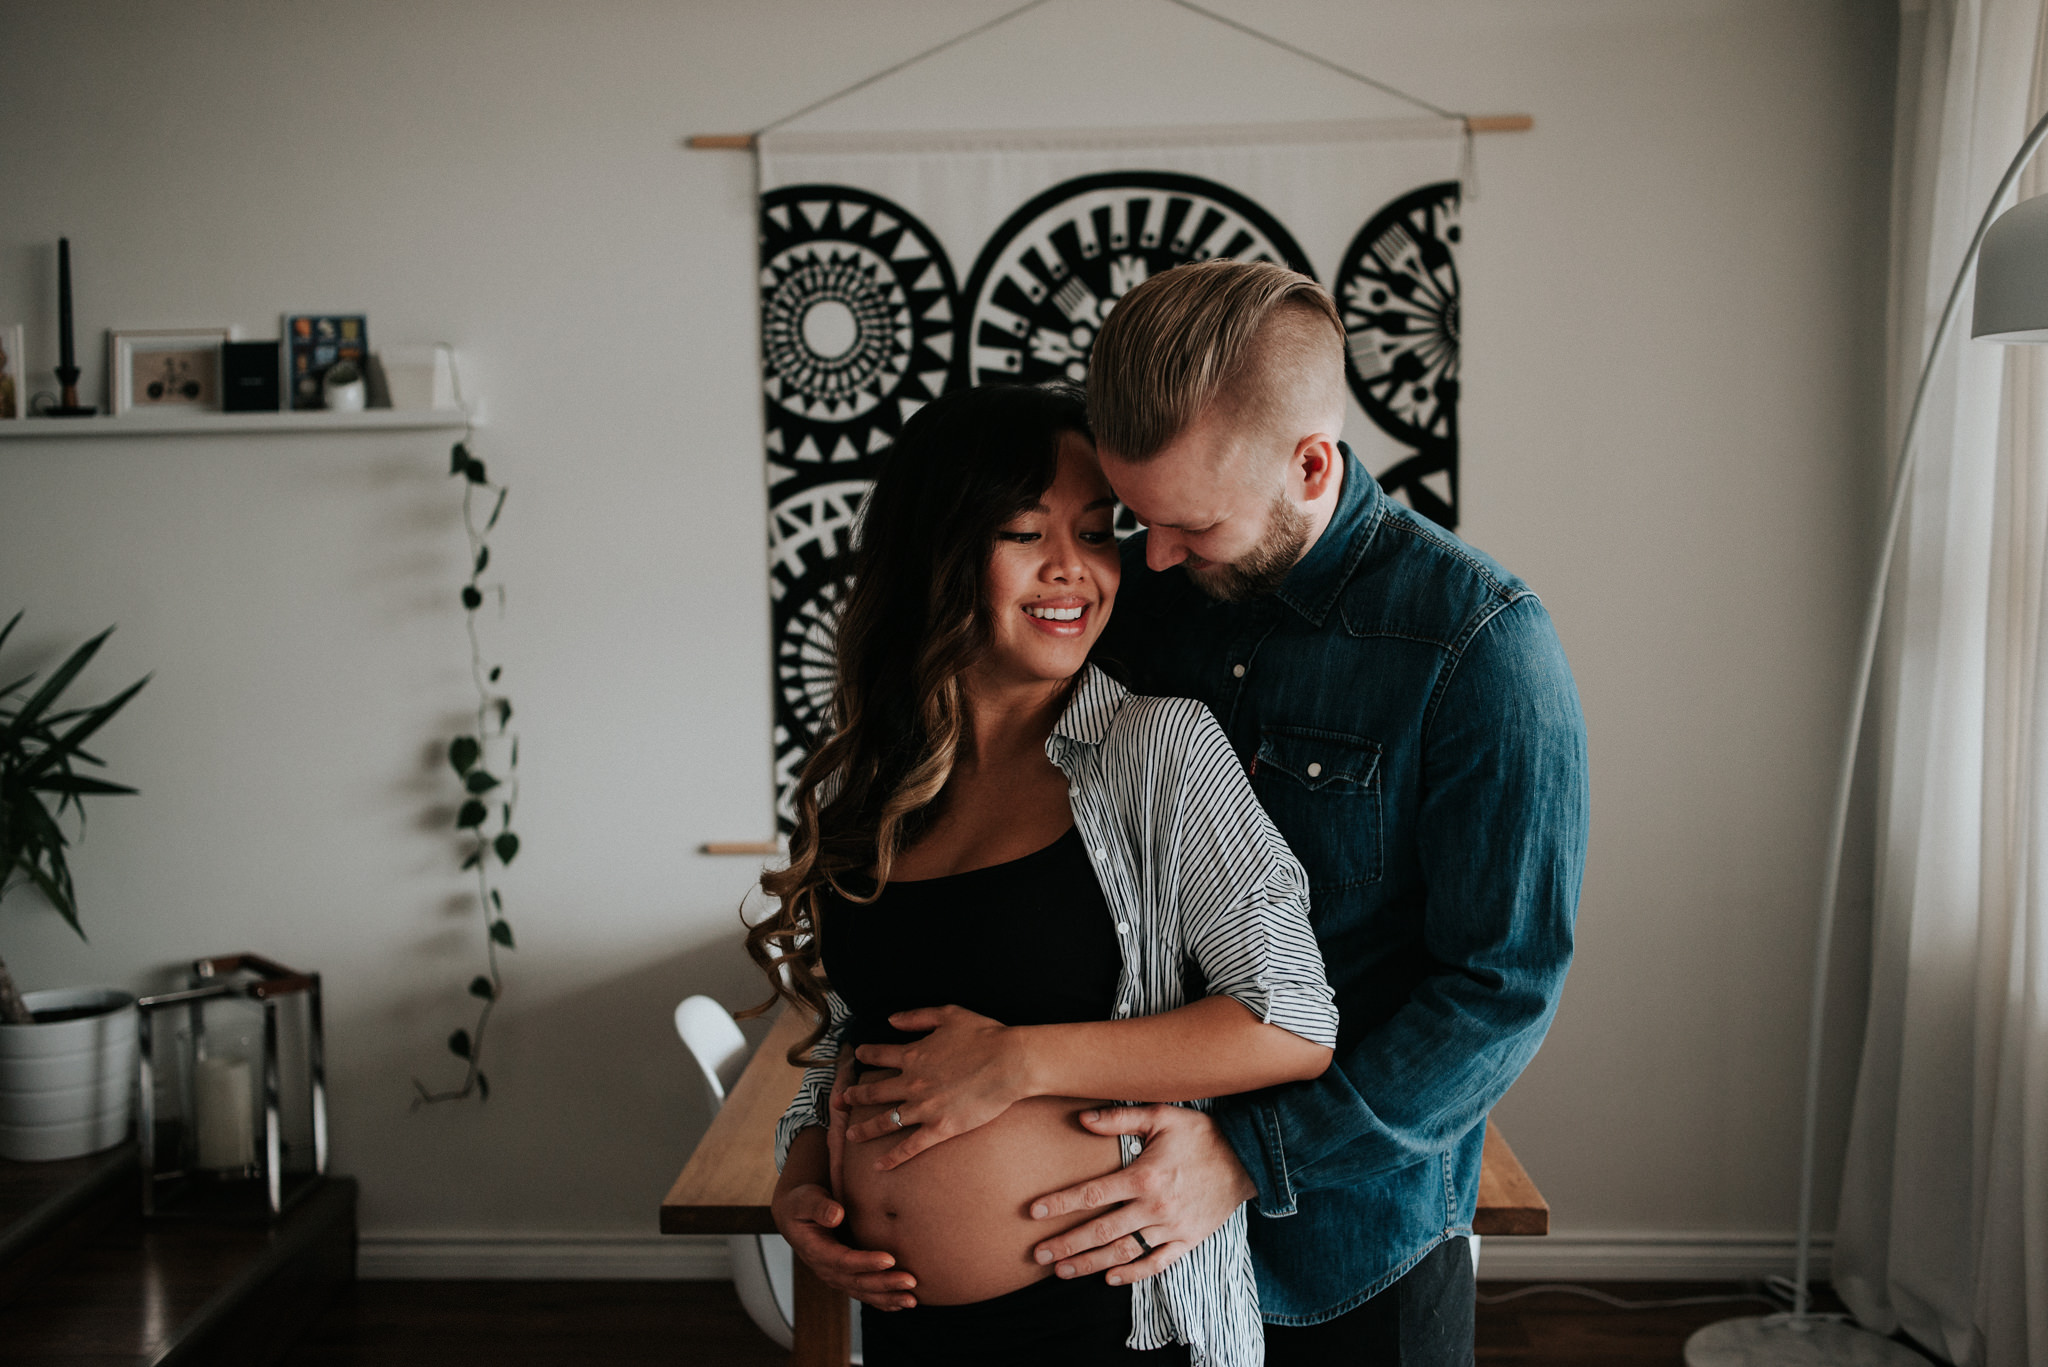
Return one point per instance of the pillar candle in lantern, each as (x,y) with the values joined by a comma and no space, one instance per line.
(226,1114)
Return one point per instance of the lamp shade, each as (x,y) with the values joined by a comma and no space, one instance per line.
(2012,276)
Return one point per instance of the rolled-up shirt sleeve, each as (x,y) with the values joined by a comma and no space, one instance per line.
(808,1107)
(1243,896)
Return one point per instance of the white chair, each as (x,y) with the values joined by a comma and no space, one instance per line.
(761,1263)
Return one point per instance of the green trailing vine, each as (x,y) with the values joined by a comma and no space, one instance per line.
(490,786)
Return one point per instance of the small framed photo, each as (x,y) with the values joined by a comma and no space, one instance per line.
(13,374)
(170,368)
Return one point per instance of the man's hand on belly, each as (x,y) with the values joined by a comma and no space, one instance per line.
(1176,1193)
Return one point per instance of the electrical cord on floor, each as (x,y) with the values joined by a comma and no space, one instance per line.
(1777,1291)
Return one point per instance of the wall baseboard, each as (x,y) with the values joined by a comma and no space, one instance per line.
(1667,1256)
(542,1257)
(1652,1256)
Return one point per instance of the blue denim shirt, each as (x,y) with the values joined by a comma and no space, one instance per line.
(1408,719)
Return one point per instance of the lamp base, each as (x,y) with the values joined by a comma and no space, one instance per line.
(1774,1341)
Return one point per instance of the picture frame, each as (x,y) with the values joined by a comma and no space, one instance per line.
(150,369)
(13,373)
(312,343)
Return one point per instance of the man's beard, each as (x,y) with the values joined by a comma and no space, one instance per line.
(1262,569)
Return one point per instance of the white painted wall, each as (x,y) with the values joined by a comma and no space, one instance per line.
(1674,291)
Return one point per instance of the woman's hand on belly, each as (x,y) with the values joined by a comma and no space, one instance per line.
(961,1076)
(810,1218)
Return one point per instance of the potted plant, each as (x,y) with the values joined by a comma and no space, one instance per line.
(67,1057)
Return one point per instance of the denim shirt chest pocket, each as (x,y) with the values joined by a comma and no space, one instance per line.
(1322,789)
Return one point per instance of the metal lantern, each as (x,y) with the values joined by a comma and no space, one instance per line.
(233,1091)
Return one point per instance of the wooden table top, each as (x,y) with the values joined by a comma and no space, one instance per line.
(1508,1201)
(729,1181)
(727,1185)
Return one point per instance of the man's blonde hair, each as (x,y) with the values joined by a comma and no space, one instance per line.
(1258,342)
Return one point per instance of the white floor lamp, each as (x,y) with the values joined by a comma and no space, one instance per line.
(2011,257)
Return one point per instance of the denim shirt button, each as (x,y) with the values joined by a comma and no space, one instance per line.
(1314,769)
(1237,671)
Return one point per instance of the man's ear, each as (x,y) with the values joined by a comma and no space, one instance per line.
(1319,462)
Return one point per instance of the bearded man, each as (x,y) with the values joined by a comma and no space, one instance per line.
(1405,711)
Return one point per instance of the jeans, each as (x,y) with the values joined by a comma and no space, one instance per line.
(1422,1320)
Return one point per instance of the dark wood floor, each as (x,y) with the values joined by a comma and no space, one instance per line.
(536,1324)
(1556,1330)
(631,1324)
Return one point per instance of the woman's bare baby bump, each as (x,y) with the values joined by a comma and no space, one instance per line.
(957,1216)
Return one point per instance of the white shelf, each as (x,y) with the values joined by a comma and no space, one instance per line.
(220,424)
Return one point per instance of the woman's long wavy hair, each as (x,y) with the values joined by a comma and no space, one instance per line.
(916,617)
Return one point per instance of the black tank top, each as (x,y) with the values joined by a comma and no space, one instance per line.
(1030,942)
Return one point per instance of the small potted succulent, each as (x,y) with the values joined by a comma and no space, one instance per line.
(342,388)
(67,1057)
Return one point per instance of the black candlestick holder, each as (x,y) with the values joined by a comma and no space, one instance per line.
(67,368)
(67,376)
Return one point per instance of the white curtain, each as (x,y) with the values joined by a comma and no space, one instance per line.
(1943,1228)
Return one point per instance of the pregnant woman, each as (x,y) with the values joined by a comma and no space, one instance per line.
(1017,891)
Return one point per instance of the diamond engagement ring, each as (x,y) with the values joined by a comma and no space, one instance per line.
(897,1116)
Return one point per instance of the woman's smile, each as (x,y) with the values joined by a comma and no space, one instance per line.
(1060,616)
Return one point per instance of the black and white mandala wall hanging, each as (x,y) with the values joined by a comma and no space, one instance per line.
(857,322)
(1397,289)
(1052,272)
(858,318)
(863,322)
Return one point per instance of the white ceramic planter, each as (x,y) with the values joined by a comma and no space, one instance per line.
(68,1087)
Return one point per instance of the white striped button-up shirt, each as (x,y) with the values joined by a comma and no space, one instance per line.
(1201,885)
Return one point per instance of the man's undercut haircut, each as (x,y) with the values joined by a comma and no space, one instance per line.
(1265,341)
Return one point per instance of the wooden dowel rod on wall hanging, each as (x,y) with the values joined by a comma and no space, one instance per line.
(744,142)
(761,847)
